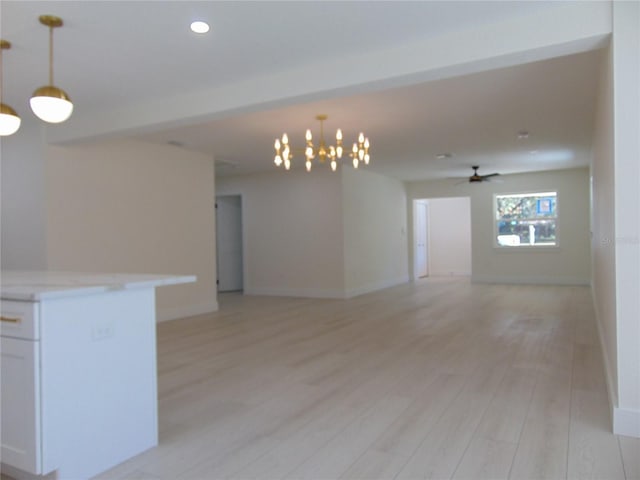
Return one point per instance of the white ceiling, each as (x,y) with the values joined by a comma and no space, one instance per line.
(118,54)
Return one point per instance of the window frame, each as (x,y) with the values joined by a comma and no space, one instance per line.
(526,246)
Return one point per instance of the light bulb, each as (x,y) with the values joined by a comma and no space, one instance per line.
(287,164)
(308,165)
(309,152)
(334,165)
(278,160)
(355,149)
(51,106)
(366,143)
(9,120)
(339,135)
(366,159)
(355,162)
(308,135)
(285,139)
(360,155)
(277,144)
(361,138)
(339,151)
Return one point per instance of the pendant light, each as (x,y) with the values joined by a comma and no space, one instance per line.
(51,103)
(9,119)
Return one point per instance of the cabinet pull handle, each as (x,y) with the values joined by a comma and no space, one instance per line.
(10,319)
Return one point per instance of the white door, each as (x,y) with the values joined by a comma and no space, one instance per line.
(229,242)
(420,232)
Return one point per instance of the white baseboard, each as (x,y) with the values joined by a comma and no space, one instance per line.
(22,475)
(449,274)
(626,422)
(374,287)
(530,280)
(325,293)
(608,372)
(173,313)
(295,292)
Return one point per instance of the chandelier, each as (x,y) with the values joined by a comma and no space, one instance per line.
(322,152)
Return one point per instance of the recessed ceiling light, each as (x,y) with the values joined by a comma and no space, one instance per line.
(175,143)
(199,27)
(523,134)
(442,156)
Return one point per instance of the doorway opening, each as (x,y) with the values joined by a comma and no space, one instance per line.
(229,242)
(442,237)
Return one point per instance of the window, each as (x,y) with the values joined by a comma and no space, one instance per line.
(526,219)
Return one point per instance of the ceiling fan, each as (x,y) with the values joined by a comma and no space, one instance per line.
(481,178)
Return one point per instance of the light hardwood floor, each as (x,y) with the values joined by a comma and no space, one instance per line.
(438,379)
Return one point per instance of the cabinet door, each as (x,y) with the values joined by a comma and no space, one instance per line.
(20,404)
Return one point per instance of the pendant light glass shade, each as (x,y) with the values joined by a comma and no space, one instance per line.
(9,120)
(50,103)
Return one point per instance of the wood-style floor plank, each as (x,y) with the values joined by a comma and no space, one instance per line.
(630,448)
(593,451)
(437,379)
(486,459)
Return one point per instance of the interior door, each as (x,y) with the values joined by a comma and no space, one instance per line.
(229,242)
(420,231)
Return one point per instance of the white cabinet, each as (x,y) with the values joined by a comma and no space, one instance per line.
(79,390)
(79,381)
(21,404)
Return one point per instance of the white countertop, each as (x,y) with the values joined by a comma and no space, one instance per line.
(35,285)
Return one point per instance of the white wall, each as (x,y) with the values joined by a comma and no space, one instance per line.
(321,234)
(626,93)
(135,207)
(568,264)
(23,198)
(603,226)
(616,217)
(293,237)
(449,234)
(375,231)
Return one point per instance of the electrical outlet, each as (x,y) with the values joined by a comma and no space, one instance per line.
(102,331)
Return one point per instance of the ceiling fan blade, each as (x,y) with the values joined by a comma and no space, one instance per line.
(490,175)
(493,180)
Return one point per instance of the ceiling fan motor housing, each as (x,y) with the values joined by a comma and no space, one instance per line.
(480,178)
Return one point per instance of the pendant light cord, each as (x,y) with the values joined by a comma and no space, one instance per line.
(50,55)
(1,86)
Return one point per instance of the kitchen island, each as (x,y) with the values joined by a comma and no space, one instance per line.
(79,377)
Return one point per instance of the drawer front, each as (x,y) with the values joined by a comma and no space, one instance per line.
(19,320)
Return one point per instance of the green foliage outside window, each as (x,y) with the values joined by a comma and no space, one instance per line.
(526,219)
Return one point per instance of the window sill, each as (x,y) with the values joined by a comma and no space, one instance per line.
(527,248)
